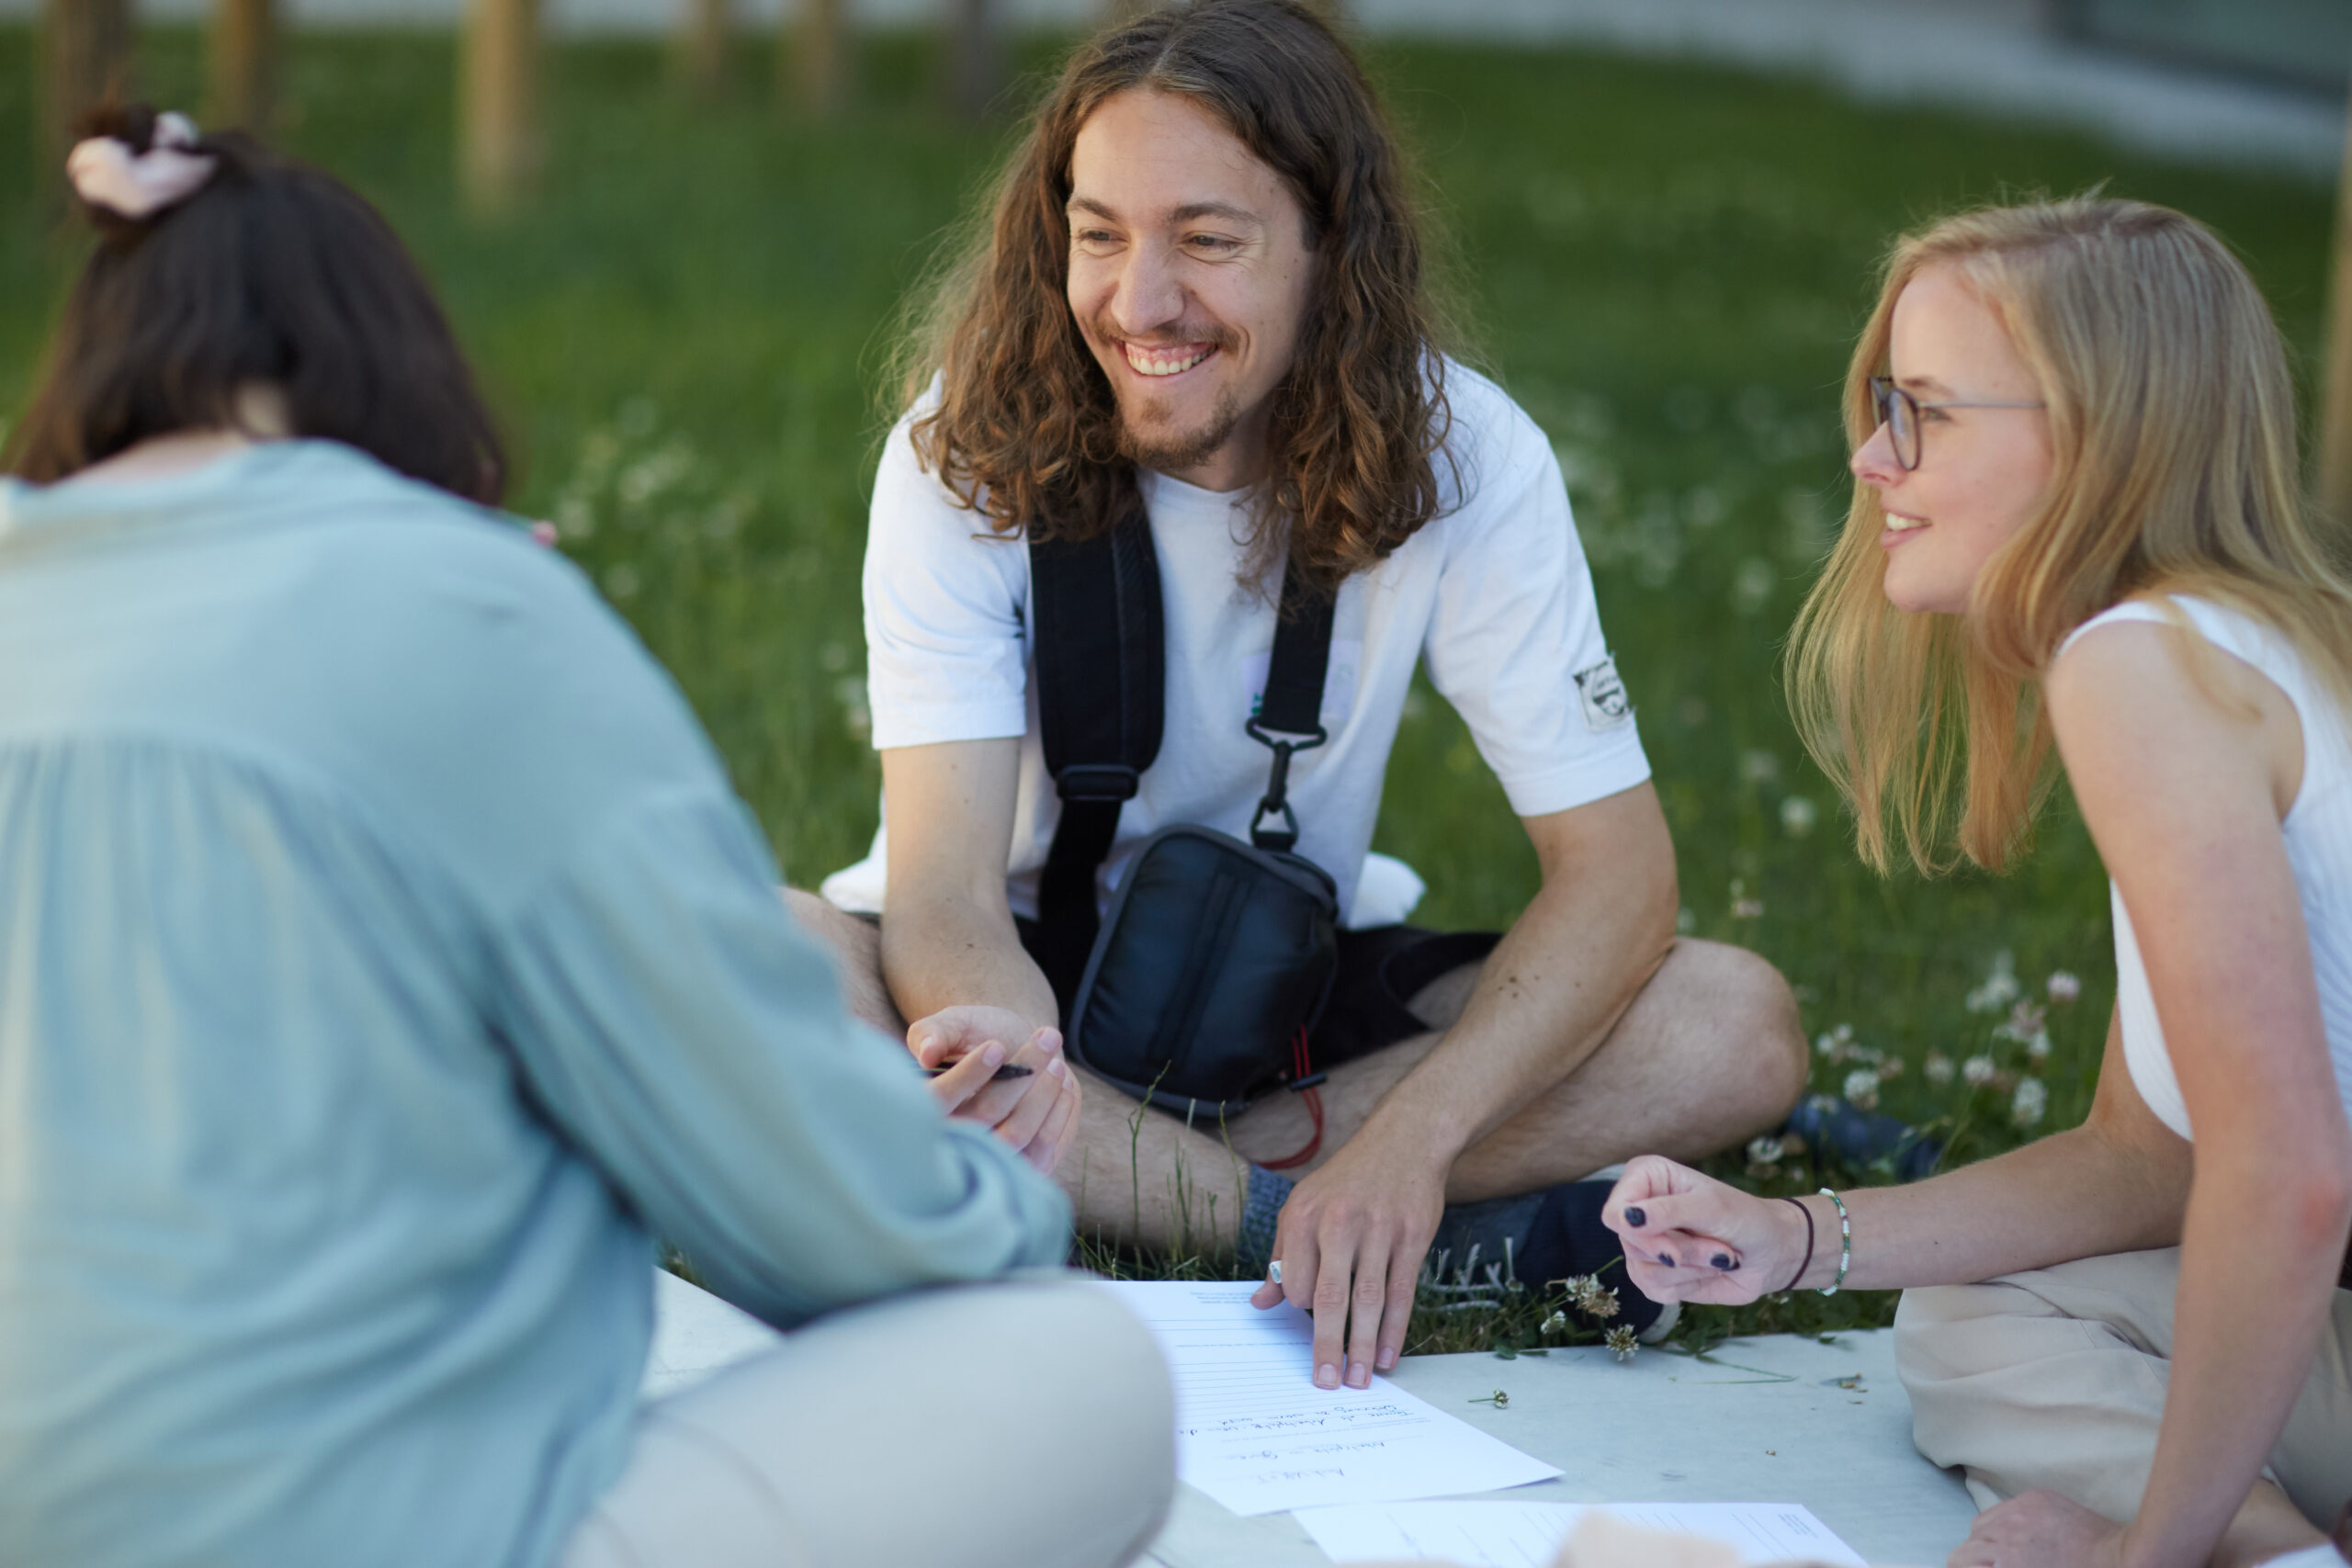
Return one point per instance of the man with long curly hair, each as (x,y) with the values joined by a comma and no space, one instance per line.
(1200,292)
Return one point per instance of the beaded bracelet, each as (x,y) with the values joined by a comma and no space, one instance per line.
(1845,1241)
(1808,1243)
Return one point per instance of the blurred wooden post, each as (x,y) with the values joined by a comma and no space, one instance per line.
(499,149)
(244,65)
(813,57)
(702,46)
(976,63)
(2336,411)
(84,59)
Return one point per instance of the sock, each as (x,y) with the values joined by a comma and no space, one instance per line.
(1269,1191)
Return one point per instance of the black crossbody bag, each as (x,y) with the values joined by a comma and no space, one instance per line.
(1196,992)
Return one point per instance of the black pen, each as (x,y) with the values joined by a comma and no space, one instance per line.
(1006,1071)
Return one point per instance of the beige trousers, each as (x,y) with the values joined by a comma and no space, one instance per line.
(990,1427)
(2055,1379)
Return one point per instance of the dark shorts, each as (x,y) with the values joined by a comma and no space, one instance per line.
(1380,970)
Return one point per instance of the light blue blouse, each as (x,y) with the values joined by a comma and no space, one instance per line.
(383,954)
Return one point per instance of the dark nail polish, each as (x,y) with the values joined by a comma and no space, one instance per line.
(1668,1258)
(1635,1218)
(1722,1260)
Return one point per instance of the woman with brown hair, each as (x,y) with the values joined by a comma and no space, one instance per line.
(385,960)
(2078,524)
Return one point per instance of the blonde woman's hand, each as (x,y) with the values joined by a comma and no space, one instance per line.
(1689,1237)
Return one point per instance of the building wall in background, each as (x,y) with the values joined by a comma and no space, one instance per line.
(2307,41)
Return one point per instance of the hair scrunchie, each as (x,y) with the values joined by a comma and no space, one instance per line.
(105,173)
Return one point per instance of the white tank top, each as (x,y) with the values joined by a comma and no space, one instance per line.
(2318,832)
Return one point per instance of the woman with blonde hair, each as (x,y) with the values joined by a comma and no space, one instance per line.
(2077,523)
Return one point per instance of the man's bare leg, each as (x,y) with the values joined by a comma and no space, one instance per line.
(858,959)
(1708,1054)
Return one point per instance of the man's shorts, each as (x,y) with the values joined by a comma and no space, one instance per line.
(1380,970)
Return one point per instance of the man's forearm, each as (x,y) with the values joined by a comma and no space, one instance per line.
(941,952)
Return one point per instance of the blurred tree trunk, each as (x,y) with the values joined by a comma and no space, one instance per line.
(244,65)
(975,58)
(498,149)
(84,59)
(702,46)
(812,58)
(2335,412)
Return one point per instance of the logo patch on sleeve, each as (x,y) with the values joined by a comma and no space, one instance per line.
(1606,703)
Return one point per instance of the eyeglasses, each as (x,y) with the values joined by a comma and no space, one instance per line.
(1900,411)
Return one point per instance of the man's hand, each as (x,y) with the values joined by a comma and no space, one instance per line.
(2040,1530)
(1037,1115)
(1351,1241)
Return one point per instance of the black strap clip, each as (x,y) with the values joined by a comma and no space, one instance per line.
(1097,781)
(1277,797)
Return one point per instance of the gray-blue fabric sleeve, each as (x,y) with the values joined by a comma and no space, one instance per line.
(671,1019)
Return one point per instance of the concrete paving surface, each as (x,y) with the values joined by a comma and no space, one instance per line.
(1782,1419)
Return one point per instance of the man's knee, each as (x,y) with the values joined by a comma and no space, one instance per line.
(1754,1006)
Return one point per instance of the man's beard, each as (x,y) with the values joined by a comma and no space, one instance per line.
(1175,451)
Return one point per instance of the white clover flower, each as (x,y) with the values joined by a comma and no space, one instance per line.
(2030,1104)
(850,691)
(1861,1088)
(1891,1068)
(1798,816)
(1558,1320)
(2064,986)
(1767,1150)
(2000,987)
(1977,1071)
(1758,767)
(1594,1299)
(2038,1048)
(1937,1068)
(2025,1021)
(1826,1045)
(1621,1342)
(1743,908)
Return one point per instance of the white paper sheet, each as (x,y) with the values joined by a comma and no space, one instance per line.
(1528,1535)
(1254,1432)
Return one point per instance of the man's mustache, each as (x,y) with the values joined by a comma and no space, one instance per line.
(1217,337)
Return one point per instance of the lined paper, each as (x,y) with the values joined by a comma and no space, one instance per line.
(1254,1432)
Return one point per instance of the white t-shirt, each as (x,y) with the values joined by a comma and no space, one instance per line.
(1494,593)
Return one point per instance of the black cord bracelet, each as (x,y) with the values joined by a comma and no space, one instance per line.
(1808,1243)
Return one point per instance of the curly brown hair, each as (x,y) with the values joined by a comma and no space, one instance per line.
(1026,431)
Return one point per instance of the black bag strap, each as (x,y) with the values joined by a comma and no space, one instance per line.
(1100,659)
(1290,716)
(1101,695)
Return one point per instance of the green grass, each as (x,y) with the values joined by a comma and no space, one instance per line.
(1665,264)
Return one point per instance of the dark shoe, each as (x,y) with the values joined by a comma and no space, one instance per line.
(1833,1126)
(1484,1250)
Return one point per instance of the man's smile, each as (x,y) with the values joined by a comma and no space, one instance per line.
(1160,362)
